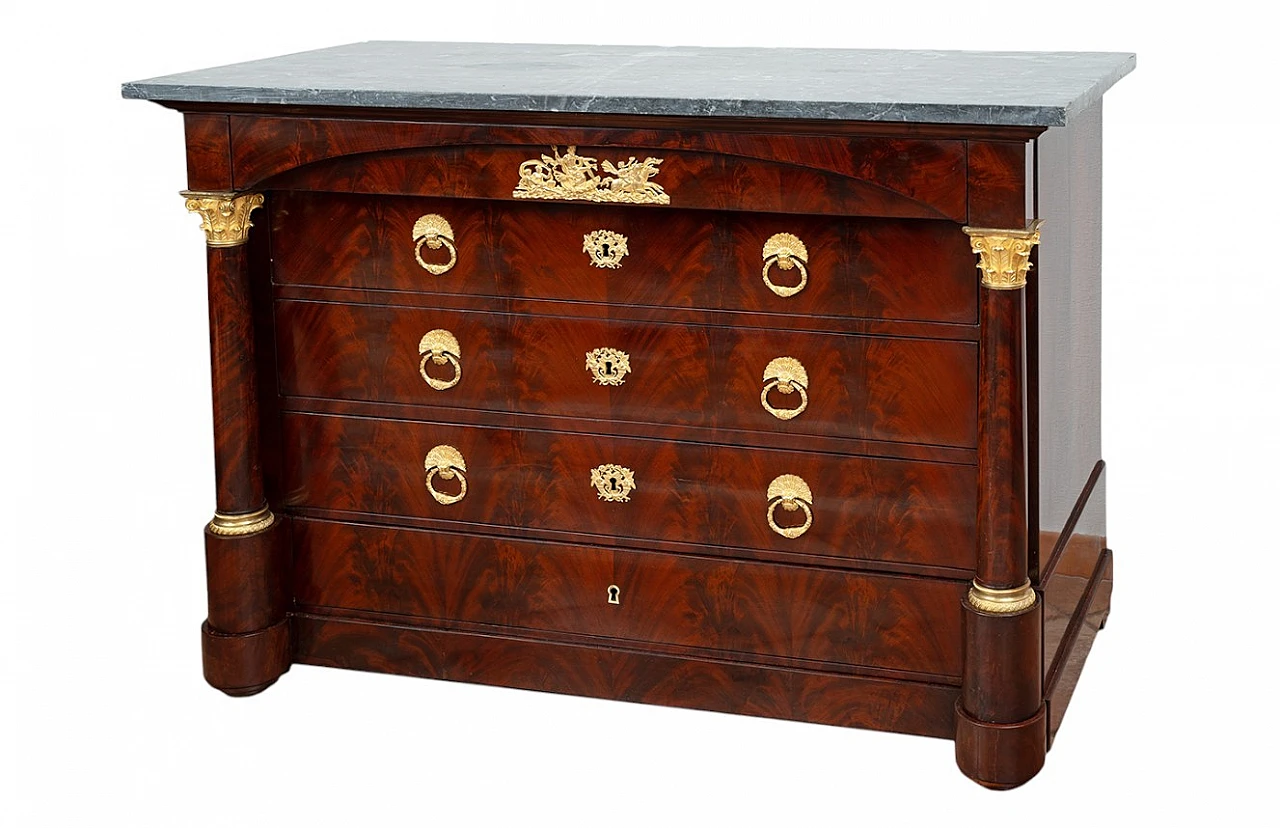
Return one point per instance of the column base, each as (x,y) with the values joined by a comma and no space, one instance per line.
(1000,756)
(242,665)
(247,577)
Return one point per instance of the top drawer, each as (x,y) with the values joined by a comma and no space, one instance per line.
(892,269)
(696,167)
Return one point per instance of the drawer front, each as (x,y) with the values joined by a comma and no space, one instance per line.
(692,168)
(883,621)
(875,388)
(873,268)
(860,508)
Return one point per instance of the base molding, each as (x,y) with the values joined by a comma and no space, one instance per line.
(248,663)
(1088,600)
(1000,756)
(627,674)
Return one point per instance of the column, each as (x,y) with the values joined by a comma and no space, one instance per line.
(1001,733)
(246,637)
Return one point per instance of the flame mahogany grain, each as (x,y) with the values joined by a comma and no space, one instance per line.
(898,177)
(614,672)
(731,607)
(245,641)
(873,388)
(208,151)
(916,442)
(864,508)
(872,268)
(237,461)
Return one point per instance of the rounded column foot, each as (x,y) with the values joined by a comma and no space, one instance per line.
(243,665)
(239,692)
(1000,756)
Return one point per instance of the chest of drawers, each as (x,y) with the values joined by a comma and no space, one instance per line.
(660,386)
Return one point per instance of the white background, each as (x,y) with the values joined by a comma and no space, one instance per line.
(108,477)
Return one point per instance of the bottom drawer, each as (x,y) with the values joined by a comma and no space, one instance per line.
(741,607)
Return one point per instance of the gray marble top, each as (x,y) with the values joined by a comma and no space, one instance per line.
(1009,88)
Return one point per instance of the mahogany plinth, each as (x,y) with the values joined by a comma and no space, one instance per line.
(1002,663)
(1001,699)
(246,636)
(247,577)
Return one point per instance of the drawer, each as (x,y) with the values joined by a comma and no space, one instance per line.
(861,508)
(874,388)
(690,169)
(894,269)
(742,607)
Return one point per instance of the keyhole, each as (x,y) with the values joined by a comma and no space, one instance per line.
(614,595)
(604,251)
(608,368)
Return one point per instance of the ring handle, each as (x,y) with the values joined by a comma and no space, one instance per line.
(788,376)
(446,463)
(787,252)
(791,493)
(441,347)
(433,231)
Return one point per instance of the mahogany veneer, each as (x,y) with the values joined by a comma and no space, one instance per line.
(862,267)
(863,508)
(937,558)
(720,606)
(875,388)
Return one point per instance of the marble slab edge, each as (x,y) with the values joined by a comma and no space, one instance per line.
(1046,116)
(205,87)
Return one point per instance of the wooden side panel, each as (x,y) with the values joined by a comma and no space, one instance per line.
(265,338)
(739,608)
(627,675)
(863,508)
(1065,333)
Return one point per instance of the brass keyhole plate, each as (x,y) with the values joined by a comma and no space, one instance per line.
(605,248)
(613,482)
(608,366)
